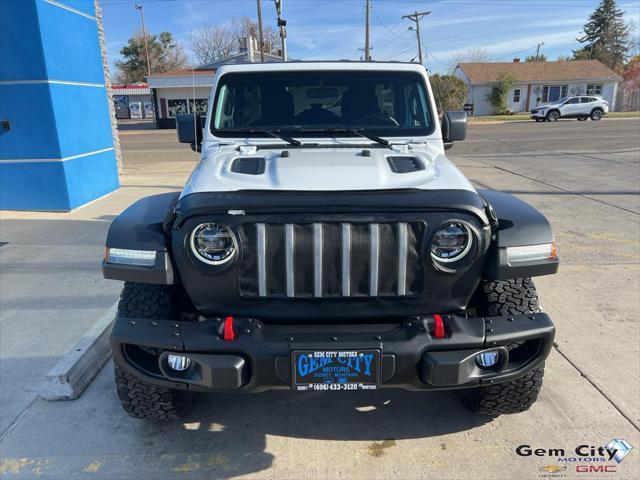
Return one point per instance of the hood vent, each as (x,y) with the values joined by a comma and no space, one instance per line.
(248,165)
(405,164)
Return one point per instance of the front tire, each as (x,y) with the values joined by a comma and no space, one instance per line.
(151,402)
(597,114)
(506,297)
(553,116)
(139,398)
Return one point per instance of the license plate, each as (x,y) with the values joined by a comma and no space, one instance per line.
(324,370)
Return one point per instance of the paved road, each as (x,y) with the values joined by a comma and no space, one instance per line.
(584,176)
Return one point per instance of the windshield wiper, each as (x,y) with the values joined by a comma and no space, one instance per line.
(271,133)
(358,132)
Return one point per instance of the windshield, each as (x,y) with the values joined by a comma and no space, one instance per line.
(375,102)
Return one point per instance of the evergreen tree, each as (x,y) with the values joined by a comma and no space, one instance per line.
(164,55)
(606,36)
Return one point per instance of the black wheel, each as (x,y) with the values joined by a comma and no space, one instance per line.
(141,399)
(596,114)
(506,297)
(582,119)
(553,116)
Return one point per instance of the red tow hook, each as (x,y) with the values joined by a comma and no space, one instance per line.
(228,334)
(438,331)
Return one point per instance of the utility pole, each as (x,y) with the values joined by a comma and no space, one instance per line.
(282,25)
(367,44)
(144,35)
(415,18)
(260,32)
(538,51)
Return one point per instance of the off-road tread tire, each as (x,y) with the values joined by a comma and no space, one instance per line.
(140,399)
(145,300)
(507,297)
(510,297)
(515,396)
(143,400)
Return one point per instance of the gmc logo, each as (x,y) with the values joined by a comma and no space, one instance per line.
(596,468)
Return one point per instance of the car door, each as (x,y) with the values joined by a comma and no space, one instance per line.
(571,107)
(586,104)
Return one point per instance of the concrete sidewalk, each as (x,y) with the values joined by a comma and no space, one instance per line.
(51,286)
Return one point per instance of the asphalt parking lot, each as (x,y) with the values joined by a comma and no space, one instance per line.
(584,176)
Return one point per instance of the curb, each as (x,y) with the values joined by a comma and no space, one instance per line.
(75,370)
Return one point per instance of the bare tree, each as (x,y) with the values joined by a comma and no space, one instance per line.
(244,27)
(471,55)
(212,42)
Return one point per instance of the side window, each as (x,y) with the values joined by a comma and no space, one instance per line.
(586,99)
(594,89)
(572,101)
(516,95)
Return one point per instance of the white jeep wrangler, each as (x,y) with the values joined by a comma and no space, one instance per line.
(324,242)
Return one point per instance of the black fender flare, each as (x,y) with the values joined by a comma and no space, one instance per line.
(519,224)
(142,227)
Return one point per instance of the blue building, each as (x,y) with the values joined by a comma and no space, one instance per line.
(56,142)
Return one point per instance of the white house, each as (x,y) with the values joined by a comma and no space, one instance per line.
(187,90)
(537,82)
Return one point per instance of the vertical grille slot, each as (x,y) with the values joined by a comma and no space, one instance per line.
(374,258)
(330,260)
(346,259)
(262,259)
(402,258)
(317,259)
(289,235)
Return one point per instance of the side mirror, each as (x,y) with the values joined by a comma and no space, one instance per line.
(454,128)
(189,129)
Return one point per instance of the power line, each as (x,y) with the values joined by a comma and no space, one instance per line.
(388,29)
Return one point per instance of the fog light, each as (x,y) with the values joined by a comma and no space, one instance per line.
(488,359)
(178,362)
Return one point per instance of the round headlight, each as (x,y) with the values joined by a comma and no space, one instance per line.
(451,242)
(213,243)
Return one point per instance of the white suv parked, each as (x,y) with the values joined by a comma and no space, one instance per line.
(581,107)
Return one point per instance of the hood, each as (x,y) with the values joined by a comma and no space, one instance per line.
(328,169)
(548,105)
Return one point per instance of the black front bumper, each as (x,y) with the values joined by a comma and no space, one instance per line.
(259,357)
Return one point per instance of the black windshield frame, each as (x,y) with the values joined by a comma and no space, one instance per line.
(298,130)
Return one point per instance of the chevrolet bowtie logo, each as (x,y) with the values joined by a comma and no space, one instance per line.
(553,468)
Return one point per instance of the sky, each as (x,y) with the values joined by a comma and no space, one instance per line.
(334,29)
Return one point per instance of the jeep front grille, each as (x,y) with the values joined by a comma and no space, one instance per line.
(307,260)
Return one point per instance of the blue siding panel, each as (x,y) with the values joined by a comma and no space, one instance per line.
(71,47)
(43,44)
(91,177)
(33,186)
(57,186)
(21,55)
(82,118)
(34,132)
